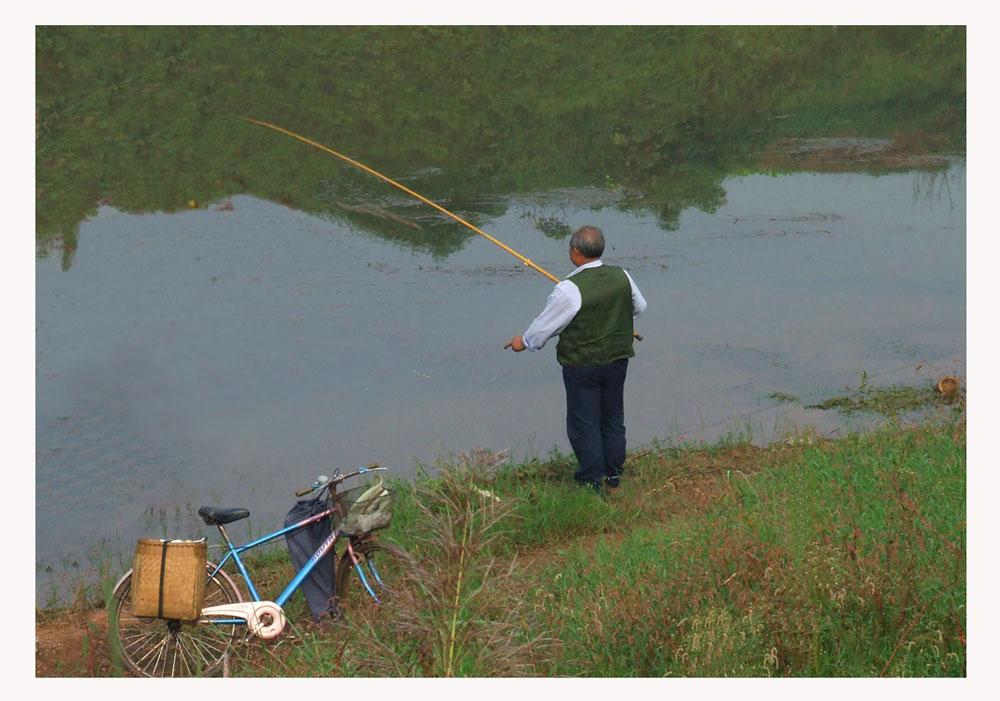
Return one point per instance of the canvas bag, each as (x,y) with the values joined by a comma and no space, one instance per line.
(371,511)
(318,587)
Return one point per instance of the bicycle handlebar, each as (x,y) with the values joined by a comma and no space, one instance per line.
(373,467)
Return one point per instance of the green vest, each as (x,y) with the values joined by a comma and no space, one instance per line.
(601,332)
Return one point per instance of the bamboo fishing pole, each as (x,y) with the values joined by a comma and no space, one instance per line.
(408,191)
(321,147)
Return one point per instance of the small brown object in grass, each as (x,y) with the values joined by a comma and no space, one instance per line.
(948,387)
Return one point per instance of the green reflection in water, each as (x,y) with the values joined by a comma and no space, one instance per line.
(652,118)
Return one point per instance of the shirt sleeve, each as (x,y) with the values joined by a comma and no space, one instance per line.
(638,301)
(560,308)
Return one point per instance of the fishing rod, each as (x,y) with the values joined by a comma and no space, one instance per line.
(408,191)
(321,147)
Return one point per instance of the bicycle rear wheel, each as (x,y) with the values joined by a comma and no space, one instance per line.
(155,647)
(385,576)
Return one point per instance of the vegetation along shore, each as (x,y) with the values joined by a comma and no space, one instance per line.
(810,557)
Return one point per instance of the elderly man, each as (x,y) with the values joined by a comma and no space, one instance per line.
(591,311)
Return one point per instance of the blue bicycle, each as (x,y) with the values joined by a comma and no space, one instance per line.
(155,647)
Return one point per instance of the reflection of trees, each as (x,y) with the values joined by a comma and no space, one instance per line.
(145,118)
(374,206)
(65,244)
(668,195)
(934,186)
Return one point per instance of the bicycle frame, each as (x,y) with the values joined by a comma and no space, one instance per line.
(300,576)
(235,550)
(273,609)
(234,555)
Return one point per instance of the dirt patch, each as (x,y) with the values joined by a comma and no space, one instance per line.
(836,154)
(72,644)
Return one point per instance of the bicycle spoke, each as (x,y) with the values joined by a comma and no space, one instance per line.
(161,655)
(139,644)
(181,655)
(173,665)
(204,649)
(151,650)
(190,653)
(137,637)
(193,666)
(159,648)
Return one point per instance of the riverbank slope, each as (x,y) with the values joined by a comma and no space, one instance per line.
(812,557)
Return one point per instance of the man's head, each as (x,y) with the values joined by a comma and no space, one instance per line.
(587,242)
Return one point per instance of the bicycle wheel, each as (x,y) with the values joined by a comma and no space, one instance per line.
(387,571)
(155,647)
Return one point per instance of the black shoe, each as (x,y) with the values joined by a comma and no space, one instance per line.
(592,486)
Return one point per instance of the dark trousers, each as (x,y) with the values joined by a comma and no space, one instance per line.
(595,420)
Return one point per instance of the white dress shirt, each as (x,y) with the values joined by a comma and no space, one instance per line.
(562,306)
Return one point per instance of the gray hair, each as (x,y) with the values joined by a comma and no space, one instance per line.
(589,241)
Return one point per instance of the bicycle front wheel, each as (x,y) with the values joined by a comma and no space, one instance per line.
(383,575)
(156,647)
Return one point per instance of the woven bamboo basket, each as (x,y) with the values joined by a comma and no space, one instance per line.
(168,579)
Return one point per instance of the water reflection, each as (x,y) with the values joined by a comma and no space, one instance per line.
(145,118)
(228,355)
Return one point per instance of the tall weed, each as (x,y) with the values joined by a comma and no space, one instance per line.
(459,612)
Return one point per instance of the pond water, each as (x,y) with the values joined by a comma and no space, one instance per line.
(228,355)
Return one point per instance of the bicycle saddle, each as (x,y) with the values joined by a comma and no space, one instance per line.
(214,515)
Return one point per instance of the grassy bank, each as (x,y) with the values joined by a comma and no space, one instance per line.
(808,558)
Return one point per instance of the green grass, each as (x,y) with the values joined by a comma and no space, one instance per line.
(846,560)
(832,558)
(819,558)
(835,558)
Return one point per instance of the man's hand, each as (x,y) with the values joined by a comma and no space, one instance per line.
(517,343)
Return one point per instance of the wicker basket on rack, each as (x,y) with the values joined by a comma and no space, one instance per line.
(168,579)
(362,509)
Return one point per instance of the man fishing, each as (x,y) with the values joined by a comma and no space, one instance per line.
(592,312)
